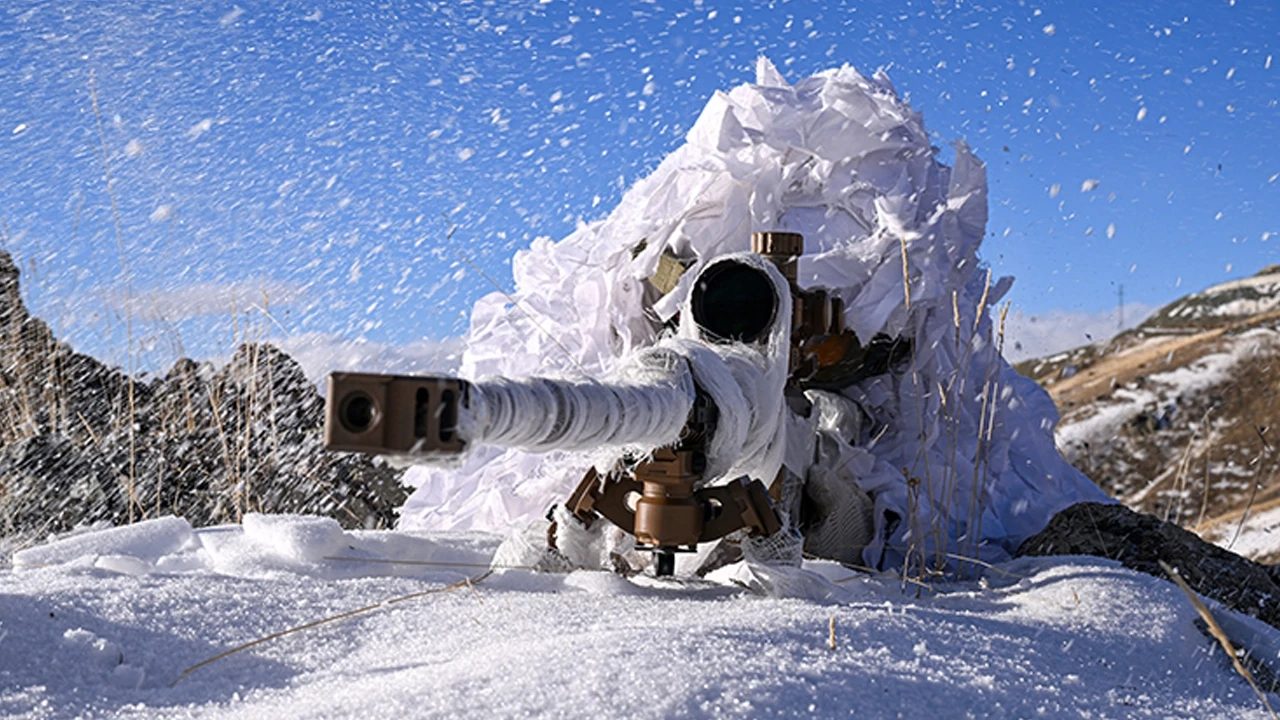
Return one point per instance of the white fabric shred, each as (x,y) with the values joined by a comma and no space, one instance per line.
(958,454)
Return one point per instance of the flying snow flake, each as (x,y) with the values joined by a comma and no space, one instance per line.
(315,16)
(1273,178)
(1054,190)
(1049,29)
(200,128)
(1267,66)
(562,40)
(1133,268)
(133,148)
(649,88)
(1231,73)
(21,128)
(1089,185)
(1111,232)
(1218,216)
(1229,266)
(161,213)
(1142,114)
(230,18)
(465,154)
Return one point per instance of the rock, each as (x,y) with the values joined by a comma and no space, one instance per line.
(81,442)
(1140,541)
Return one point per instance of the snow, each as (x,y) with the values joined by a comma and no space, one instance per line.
(1046,637)
(1160,390)
(1252,296)
(1257,537)
(419,622)
(840,158)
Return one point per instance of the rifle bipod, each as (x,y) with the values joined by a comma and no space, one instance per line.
(659,504)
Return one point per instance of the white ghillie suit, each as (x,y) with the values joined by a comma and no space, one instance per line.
(958,453)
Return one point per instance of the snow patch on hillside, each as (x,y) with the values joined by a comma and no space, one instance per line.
(1158,396)
(1245,297)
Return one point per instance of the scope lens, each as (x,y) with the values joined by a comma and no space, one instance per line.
(734,302)
(357,412)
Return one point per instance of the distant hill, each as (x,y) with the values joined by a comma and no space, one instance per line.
(1180,416)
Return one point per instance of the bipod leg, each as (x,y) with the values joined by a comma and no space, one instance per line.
(666,562)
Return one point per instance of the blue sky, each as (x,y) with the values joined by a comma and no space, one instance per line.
(299,159)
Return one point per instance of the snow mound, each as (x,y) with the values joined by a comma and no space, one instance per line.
(964,461)
(144,543)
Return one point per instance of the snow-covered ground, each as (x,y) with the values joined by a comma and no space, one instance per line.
(1257,537)
(103,623)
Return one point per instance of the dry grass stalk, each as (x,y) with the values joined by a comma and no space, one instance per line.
(1253,492)
(831,633)
(906,276)
(1180,476)
(126,280)
(1218,633)
(466,582)
(1204,498)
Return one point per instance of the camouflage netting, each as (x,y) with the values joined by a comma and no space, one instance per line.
(957,453)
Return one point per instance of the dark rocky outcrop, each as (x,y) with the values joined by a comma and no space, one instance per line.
(81,442)
(1140,542)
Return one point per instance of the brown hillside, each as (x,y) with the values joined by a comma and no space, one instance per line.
(1181,422)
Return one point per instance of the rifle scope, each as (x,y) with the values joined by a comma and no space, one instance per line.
(734,302)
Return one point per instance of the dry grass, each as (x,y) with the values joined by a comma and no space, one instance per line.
(1218,634)
(36,389)
(937,487)
(465,582)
